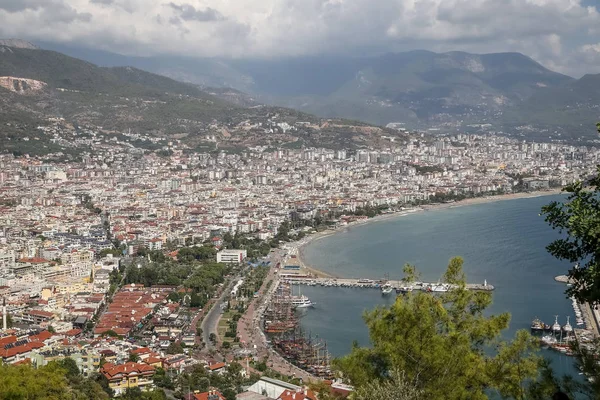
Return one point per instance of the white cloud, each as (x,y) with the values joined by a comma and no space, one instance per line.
(551,31)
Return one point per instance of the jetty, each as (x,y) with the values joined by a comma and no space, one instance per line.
(563,279)
(378,283)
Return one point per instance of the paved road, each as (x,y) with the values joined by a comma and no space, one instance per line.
(211,320)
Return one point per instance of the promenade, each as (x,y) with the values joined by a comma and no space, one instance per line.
(254,339)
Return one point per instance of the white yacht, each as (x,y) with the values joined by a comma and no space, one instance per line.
(440,287)
(301,302)
(386,289)
(404,289)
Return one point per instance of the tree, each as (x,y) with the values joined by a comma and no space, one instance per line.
(56,381)
(441,343)
(161,379)
(110,333)
(397,387)
(133,357)
(70,366)
(213,338)
(175,348)
(579,218)
(137,394)
(23,382)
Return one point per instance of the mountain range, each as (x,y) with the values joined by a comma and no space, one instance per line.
(186,97)
(422,89)
(38,86)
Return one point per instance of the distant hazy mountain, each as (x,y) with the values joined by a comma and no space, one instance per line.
(205,72)
(575,106)
(418,86)
(421,88)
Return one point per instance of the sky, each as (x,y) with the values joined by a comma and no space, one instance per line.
(563,35)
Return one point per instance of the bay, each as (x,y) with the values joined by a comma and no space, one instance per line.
(502,242)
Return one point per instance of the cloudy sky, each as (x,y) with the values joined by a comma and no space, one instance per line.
(564,35)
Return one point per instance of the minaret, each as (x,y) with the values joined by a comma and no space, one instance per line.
(4,327)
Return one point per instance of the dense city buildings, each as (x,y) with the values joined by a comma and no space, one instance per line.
(68,228)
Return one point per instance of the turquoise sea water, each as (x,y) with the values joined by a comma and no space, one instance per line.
(502,242)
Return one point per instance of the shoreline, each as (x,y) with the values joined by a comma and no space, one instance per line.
(298,247)
(306,268)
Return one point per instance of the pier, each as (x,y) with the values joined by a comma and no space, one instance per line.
(377,284)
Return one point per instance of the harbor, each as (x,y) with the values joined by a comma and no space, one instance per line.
(585,314)
(285,306)
(385,285)
(279,321)
(561,337)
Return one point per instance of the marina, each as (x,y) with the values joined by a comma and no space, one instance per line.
(280,320)
(386,286)
(560,337)
(280,323)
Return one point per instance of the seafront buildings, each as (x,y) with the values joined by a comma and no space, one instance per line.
(60,222)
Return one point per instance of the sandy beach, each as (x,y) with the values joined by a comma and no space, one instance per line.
(307,269)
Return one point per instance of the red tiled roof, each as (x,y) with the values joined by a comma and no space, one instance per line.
(216,366)
(293,395)
(141,350)
(7,340)
(33,260)
(153,360)
(204,396)
(110,370)
(73,332)
(41,337)
(13,351)
(40,313)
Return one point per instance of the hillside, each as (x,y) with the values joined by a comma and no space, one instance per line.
(422,89)
(571,107)
(36,85)
(61,71)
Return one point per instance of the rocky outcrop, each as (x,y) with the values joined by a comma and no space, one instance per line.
(18,43)
(21,85)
